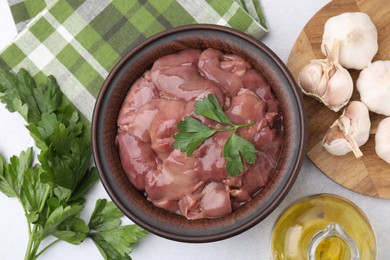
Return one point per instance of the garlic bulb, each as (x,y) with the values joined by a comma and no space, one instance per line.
(358,37)
(327,81)
(373,85)
(349,132)
(382,140)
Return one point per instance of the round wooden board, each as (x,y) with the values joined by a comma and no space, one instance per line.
(368,175)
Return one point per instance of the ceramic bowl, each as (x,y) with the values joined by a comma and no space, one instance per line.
(104,129)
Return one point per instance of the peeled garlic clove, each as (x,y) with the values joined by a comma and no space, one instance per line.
(358,37)
(382,140)
(349,132)
(327,81)
(373,85)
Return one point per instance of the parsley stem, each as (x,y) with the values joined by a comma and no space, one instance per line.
(47,247)
(26,214)
(234,127)
(29,250)
(246,124)
(45,197)
(33,239)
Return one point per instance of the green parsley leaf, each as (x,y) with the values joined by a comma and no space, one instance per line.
(11,179)
(48,97)
(67,169)
(6,180)
(90,178)
(33,193)
(192,133)
(65,223)
(21,94)
(235,148)
(64,122)
(113,240)
(117,243)
(73,230)
(105,216)
(107,250)
(210,108)
(18,95)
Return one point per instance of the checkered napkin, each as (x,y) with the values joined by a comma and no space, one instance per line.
(79,42)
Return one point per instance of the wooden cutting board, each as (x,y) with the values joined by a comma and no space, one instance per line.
(368,175)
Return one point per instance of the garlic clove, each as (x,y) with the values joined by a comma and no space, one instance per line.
(327,81)
(339,90)
(373,85)
(348,132)
(335,142)
(360,123)
(358,36)
(310,78)
(382,140)
(314,78)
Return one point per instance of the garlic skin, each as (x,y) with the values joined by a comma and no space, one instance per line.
(349,132)
(358,36)
(327,81)
(373,85)
(382,140)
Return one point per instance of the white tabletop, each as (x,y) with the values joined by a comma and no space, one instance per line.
(286,19)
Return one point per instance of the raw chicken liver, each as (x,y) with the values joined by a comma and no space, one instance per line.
(198,186)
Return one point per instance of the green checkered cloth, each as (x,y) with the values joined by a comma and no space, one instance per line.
(79,42)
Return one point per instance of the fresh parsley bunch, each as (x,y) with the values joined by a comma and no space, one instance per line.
(52,191)
(192,133)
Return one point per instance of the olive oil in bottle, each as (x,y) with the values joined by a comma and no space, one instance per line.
(323,227)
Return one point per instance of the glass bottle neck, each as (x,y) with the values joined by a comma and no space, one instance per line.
(332,230)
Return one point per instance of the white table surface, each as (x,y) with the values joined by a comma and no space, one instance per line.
(286,19)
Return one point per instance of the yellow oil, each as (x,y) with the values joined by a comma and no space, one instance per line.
(300,222)
(333,248)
